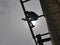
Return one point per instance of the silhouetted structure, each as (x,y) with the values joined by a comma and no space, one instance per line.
(39,39)
(28,21)
(32,16)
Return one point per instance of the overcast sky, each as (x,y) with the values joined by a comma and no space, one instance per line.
(13,30)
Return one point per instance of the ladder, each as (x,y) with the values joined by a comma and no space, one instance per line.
(39,39)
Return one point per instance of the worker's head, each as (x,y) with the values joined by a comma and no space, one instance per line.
(27,12)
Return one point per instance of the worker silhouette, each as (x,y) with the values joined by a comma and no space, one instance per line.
(32,16)
(39,39)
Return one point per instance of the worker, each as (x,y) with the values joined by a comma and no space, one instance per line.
(32,16)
